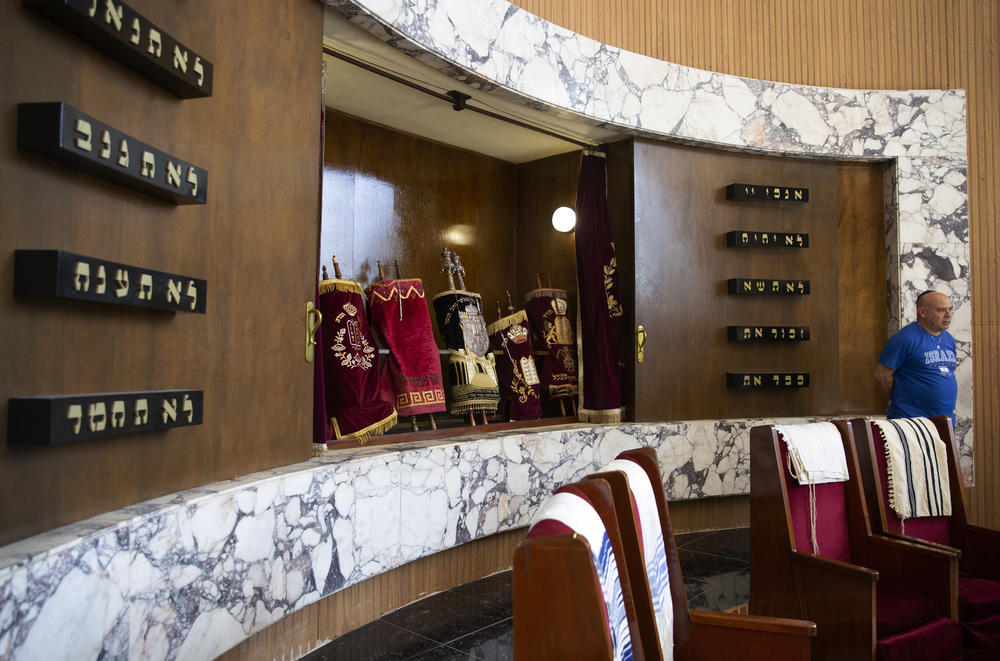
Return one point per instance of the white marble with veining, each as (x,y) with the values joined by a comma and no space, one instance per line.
(190,575)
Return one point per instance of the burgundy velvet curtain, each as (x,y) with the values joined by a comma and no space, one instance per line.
(600,308)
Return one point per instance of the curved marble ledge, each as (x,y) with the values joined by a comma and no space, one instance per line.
(190,575)
(920,134)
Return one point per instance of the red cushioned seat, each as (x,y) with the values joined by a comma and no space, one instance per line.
(978,587)
(870,596)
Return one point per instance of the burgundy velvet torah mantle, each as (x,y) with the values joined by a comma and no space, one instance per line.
(350,365)
(516,370)
(399,313)
(547,308)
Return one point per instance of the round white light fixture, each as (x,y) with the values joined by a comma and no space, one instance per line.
(564,219)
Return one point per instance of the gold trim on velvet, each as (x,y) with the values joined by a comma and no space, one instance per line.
(412,290)
(348,286)
(371,431)
(549,292)
(600,416)
(519,317)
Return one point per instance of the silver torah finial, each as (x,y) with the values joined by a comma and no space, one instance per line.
(447,267)
(459,270)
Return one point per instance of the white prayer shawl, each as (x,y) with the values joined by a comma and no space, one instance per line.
(916,468)
(816,452)
(583,519)
(654,550)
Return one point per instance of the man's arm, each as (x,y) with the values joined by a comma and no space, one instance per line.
(884,379)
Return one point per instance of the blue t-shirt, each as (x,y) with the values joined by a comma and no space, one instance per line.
(924,373)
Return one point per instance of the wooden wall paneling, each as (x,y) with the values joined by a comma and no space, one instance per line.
(390,195)
(682,263)
(870,44)
(861,297)
(250,242)
(543,186)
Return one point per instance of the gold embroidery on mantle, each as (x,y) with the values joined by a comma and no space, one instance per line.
(614,307)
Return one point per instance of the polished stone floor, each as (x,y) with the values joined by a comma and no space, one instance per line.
(474,621)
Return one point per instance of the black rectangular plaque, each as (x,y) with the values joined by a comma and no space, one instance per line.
(766,287)
(125,35)
(61,274)
(60,419)
(759,193)
(746,239)
(761,380)
(62,133)
(755,334)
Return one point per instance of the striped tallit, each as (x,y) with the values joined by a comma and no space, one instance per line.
(580,516)
(916,467)
(654,550)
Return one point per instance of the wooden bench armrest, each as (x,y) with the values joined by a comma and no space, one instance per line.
(778,625)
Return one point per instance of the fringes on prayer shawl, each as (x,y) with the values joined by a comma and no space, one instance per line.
(348,286)
(519,317)
(369,432)
(604,416)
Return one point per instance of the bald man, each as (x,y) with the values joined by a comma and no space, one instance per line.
(916,370)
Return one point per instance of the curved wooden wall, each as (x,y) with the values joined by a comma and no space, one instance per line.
(858,44)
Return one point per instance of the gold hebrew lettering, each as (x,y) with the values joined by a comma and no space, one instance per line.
(136,36)
(789,240)
(763,239)
(75,413)
(121,282)
(744,238)
(83,128)
(169,410)
(758,332)
(180,59)
(801,379)
(775,333)
(199,69)
(155,43)
(113,14)
(791,333)
(746,380)
(775,379)
(798,194)
(148,164)
(123,153)
(747,285)
(802,286)
(777,193)
(192,179)
(174,289)
(141,411)
(105,144)
(145,287)
(757,380)
(187,406)
(174,174)
(789,287)
(788,379)
(81,277)
(786,193)
(760,284)
(101,283)
(746,332)
(775,286)
(192,292)
(97,416)
(118,414)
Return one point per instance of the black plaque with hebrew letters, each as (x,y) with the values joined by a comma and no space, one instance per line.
(748,239)
(120,32)
(756,334)
(766,287)
(761,380)
(61,274)
(62,133)
(61,419)
(759,193)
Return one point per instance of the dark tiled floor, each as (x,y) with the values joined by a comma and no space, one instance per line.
(474,621)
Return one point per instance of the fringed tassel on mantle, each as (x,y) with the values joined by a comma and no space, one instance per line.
(600,416)
(371,431)
(348,286)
